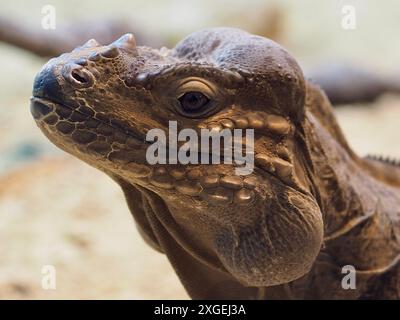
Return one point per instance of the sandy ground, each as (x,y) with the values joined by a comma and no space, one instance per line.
(58,211)
(55,210)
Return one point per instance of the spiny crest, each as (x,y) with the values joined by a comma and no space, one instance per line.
(384,159)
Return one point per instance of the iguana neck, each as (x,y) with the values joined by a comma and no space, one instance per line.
(357,201)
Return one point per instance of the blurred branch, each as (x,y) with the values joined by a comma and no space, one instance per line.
(50,43)
(347,83)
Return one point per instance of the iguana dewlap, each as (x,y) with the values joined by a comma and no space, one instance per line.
(310,207)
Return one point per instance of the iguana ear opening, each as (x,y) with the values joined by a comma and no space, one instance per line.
(274,82)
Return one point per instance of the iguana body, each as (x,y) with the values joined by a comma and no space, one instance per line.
(310,207)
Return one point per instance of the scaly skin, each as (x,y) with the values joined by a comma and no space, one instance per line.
(310,207)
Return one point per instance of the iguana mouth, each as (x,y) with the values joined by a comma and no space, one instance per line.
(51,112)
(84,128)
(199,180)
(62,116)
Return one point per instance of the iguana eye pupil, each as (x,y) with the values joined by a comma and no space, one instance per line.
(193,101)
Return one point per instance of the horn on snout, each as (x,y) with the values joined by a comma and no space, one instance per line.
(127,42)
(91,43)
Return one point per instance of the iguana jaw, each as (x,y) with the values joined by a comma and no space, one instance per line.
(123,152)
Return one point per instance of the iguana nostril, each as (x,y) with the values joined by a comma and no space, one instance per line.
(78,76)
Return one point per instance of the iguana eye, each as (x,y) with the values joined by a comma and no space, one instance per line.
(193,101)
(195,97)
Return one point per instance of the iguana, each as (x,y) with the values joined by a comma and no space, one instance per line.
(286,231)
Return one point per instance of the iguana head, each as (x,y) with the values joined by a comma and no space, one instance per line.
(99,102)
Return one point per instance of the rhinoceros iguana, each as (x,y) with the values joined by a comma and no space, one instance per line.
(311,207)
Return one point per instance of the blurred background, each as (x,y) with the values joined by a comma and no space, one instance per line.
(56,210)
